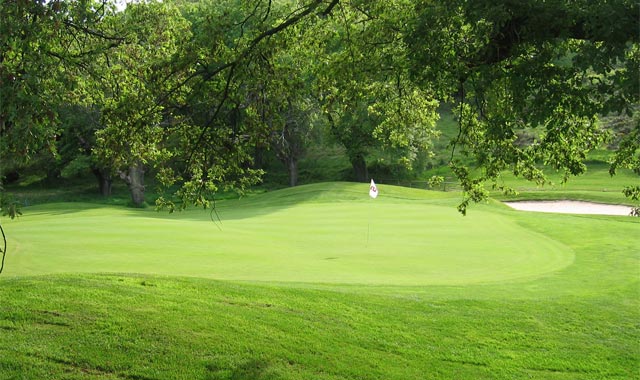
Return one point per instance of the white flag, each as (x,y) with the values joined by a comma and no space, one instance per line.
(373,190)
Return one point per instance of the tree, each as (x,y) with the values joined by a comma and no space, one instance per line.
(364,85)
(42,45)
(77,141)
(136,80)
(290,141)
(234,96)
(510,65)
(27,97)
(283,101)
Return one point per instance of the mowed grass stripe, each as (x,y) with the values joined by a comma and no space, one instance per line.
(326,233)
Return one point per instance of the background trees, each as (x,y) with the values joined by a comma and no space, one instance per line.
(76,144)
(550,67)
(137,88)
(364,87)
(42,45)
(194,90)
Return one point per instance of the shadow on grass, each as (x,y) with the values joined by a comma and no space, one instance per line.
(250,370)
(237,209)
(270,202)
(226,209)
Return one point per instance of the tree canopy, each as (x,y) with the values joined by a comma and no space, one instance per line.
(513,65)
(194,89)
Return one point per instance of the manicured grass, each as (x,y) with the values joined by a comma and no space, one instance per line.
(327,233)
(430,295)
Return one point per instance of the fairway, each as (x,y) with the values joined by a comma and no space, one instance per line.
(327,233)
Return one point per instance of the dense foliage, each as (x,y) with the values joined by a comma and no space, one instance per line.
(195,92)
(514,65)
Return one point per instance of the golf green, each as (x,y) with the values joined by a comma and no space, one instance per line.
(315,234)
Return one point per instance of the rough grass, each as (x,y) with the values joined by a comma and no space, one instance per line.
(574,320)
(130,327)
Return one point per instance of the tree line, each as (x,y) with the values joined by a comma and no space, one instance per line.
(196,91)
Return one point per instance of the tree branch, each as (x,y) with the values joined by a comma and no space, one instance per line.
(92,32)
(327,11)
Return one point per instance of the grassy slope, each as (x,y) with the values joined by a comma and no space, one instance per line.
(570,322)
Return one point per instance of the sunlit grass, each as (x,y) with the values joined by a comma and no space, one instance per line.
(325,233)
(320,282)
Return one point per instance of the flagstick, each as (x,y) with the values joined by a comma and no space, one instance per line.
(368,224)
(373,193)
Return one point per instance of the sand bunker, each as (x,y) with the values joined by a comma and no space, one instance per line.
(570,207)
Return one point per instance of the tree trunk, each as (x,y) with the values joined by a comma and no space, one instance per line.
(52,175)
(136,187)
(360,168)
(134,178)
(258,157)
(293,171)
(104,181)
